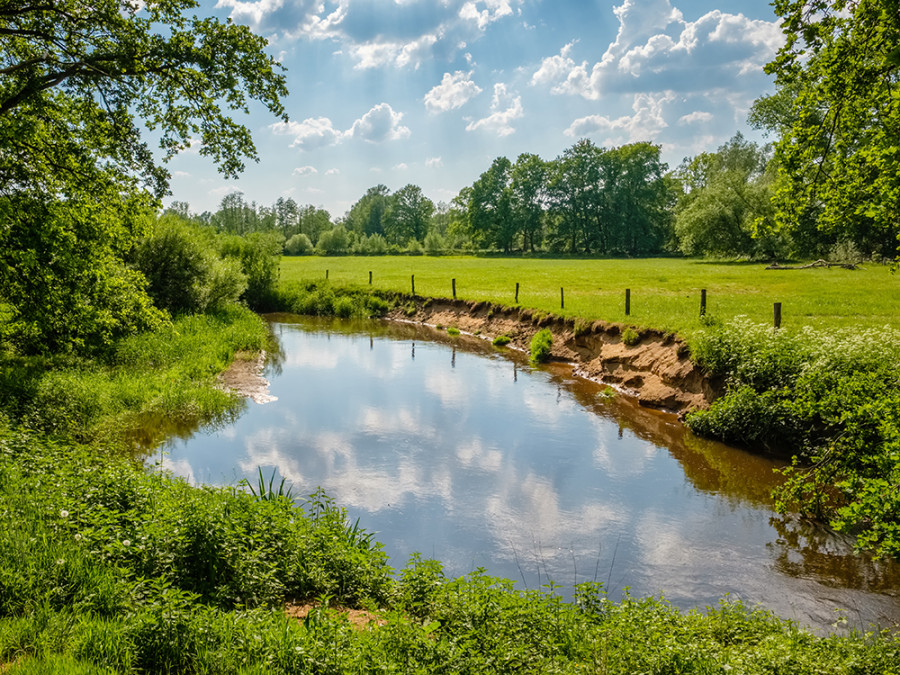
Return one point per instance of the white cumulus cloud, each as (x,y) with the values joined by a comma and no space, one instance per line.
(505,108)
(309,134)
(657,50)
(646,123)
(305,171)
(381,123)
(434,162)
(453,92)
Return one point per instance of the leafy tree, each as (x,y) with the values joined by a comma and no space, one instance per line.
(725,205)
(334,241)
(367,216)
(490,211)
(313,222)
(299,244)
(76,77)
(637,200)
(528,183)
(184,271)
(408,215)
(259,256)
(838,151)
(287,216)
(576,198)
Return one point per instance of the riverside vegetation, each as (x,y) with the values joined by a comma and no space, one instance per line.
(108,567)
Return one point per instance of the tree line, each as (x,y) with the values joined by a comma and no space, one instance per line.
(80,188)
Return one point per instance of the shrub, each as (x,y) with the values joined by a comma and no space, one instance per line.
(630,336)
(184,271)
(541,345)
(434,243)
(501,340)
(299,244)
(259,256)
(335,241)
(453,330)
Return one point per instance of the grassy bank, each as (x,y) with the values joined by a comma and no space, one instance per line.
(107,568)
(665,293)
(166,377)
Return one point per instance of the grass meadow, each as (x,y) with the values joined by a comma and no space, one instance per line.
(665,292)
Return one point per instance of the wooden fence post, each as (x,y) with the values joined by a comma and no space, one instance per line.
(454,289)
(326,274)
(562,299)
(777,309)
(627,301)
(517,292)
(702,302)
(370,278)
(412,281)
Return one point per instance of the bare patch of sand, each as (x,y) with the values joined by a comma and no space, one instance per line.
(244,377)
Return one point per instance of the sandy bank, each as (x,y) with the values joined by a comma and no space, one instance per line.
(656,369)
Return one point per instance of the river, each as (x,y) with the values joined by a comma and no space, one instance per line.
(465,453)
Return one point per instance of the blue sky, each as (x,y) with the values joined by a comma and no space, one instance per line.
(431,91)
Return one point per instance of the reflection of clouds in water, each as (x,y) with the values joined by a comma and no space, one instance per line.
(451,391)
(395,422)
(546,405)
(179,467)
(473,454)
(618,459)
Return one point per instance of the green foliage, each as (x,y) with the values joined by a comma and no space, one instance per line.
(73,101)
(630,336)
(299,244)
(323,299)
(62,278)
(833,401)
(434,243)
(167,374)
(334,242)
(541,345)
(453,330)
(259,255)
(184,271)
(838,120)
(725,205)
(501,340)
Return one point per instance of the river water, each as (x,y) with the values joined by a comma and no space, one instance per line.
(449,447)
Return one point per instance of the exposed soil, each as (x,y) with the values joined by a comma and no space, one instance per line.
(244,377)
(656,369)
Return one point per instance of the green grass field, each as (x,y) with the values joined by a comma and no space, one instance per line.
(665,293)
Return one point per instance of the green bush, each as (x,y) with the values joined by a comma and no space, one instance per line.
(299,244)
(453,330)
(630,336)
(831,400)
(541,345)
(184,271)
(501,340)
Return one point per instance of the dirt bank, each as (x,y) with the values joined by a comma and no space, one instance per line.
(655,369)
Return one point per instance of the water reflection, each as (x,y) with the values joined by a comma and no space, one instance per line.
(474,458)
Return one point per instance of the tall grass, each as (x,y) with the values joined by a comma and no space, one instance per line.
(167,374)
(107,568)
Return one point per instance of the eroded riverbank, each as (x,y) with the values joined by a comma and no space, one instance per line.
(656,368)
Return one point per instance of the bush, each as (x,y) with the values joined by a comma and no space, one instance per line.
(259,255)
(501,340)
(541,345)
(335,241)
(299,244)
(453,330)
(434,243)
(183,269)
(630,337)
(833,401)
